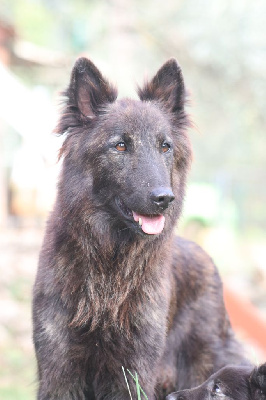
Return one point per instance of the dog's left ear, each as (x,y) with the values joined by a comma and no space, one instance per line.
(257,382)
(167,87)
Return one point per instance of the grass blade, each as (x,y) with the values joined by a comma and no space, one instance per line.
(137,386)
(128,388)
(140,388)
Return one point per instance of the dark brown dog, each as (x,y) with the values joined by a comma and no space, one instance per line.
(114,288)
(229,383)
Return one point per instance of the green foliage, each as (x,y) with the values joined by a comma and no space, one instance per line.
(14,393)
(17,373)
(222,54)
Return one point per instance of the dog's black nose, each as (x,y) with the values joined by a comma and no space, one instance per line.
(162,197)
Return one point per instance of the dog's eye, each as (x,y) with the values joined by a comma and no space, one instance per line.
(166,147)
(121,146)
(216,389)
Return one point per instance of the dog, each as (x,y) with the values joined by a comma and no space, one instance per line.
(114,287)
(229,383)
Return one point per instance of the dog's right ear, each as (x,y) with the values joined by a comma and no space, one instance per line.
(257,382)
(86,96)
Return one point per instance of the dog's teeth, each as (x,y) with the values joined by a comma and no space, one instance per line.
(140,221)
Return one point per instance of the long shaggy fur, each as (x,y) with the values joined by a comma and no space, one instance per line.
(107,294)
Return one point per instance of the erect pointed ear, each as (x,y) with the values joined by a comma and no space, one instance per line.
(167,86)
(258,383)
(88,89)
(86,95)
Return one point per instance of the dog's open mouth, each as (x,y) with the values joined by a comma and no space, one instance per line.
(149,224)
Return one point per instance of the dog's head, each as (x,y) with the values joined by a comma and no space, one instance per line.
(132,156)
(229,383)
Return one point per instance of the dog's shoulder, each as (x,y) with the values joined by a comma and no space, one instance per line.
(194,270)
(190,256)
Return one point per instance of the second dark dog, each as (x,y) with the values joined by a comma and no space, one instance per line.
(229,383)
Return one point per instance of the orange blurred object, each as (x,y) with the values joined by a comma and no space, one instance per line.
(246,319)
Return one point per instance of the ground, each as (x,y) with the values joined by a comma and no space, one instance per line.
(18,259)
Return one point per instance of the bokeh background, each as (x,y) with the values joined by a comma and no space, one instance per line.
(221,46)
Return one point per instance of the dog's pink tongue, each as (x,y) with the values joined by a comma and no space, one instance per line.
(150,225)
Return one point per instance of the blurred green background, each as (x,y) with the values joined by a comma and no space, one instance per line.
(221,46)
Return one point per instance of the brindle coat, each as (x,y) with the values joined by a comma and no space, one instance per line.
(107,294)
